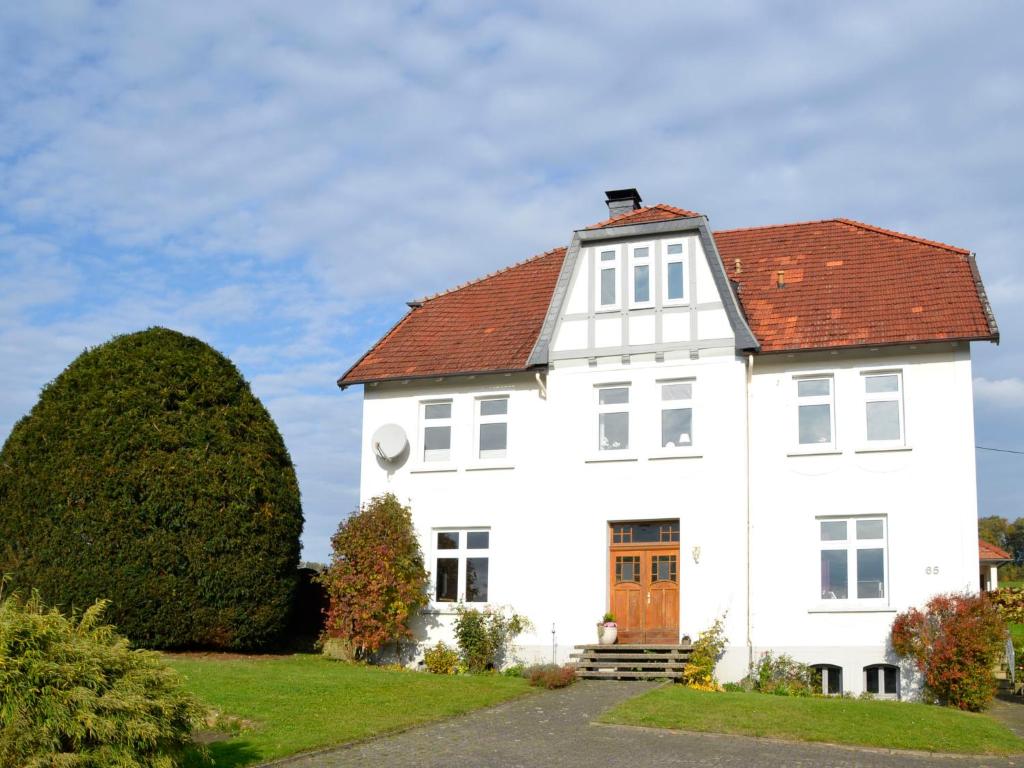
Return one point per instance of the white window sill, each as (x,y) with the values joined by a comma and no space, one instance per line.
(606,456)
(441,467)
(882,449)
(482,467)
(810,451)
(675,455)
(850,607)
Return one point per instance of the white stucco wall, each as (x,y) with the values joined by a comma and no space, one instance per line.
(548,503)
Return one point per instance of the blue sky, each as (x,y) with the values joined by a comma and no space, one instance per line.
(279,178)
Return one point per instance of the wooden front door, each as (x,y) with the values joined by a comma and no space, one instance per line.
(644,574)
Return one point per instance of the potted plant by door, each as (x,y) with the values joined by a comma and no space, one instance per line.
(607,630)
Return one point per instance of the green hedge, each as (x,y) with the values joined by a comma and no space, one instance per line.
(150,475)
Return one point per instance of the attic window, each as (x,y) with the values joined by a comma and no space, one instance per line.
(608,283)
(640,276)
(673,274)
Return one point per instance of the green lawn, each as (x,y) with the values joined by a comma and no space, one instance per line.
(302,702)
(890,724)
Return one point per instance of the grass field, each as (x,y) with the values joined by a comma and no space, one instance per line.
(890,724)
(297,703)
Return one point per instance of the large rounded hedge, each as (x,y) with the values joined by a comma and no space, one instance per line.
(148,474)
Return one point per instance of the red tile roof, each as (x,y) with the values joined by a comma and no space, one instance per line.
(659,212)
(847,284)
(987,551)
(487,325)
(851,284)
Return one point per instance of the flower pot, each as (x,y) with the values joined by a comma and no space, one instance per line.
(607,633)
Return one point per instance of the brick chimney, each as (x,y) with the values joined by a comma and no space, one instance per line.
(622,201)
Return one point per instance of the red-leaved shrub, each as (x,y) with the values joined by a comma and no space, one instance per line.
(551,675)
(376,580)
(955,642)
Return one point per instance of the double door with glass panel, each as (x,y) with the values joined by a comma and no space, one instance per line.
(644,581)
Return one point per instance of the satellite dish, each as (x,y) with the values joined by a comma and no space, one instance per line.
(389,442)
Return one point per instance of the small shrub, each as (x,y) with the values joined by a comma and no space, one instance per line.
(955,643)
(1010,603)
(484,636)
(441,659)
(376,581)
(516,670)
(780,675)
(551,675)
(733,688)
(72,693)
(699,671)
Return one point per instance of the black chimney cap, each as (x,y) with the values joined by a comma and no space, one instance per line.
(623,195)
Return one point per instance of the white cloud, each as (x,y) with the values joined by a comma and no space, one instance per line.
(278,180)
(1000,393)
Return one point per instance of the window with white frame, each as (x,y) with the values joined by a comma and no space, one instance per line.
(815,411)
(437,430)
(673,275)
(492,427)
(676,414)
(882,680)
(641,276)
(613,418)
(461,559)
(828,679)
(883,406)
(607,279)
(852,558)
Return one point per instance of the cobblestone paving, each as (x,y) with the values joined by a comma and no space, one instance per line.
(556,729)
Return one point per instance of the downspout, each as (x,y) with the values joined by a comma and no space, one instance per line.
(750,642)
(542,386)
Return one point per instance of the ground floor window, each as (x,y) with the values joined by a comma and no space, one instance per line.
(882,680)
(828,679)
(852,558)
(461,565)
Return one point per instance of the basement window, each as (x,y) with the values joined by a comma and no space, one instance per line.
(828,679)
(882,680)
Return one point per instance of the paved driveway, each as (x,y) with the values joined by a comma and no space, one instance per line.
(555,729)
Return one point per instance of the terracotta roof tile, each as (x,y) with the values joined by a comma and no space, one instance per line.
(486,325)
(987,551)
(659,212)
(846,284)
(851,284)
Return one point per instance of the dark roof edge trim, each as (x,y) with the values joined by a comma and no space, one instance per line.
(422,376)
(872,345)
(539,353)
(990,316)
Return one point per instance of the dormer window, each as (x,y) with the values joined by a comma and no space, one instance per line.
(641,271)
(607,279)
(673,275)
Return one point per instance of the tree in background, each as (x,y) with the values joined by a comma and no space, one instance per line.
(1008,535)
(148,474)
(376,580)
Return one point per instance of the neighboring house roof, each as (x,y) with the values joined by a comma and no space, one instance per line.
(485,326)
(846,284)
(852,284)
(991,553)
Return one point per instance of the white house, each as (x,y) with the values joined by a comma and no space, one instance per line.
(773,424)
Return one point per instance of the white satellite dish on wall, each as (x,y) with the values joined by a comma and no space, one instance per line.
(389,442)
